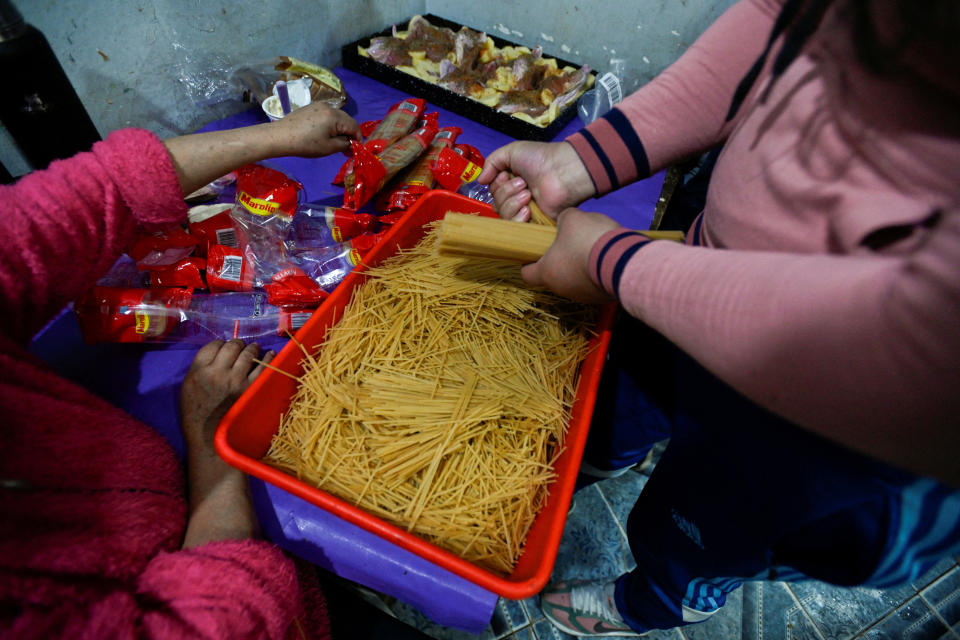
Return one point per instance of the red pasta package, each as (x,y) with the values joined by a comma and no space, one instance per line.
(108,314)
(118,314)
(211,224)
(265,204)
(292,289)
(345,224)
(401,119)
(457,166)
(162,248)
(367,128)
(371,172)
(227,270)
(316,225)
(390,219)
(187,273)
(471,153)
(292,319)
(417,179)
(328,266)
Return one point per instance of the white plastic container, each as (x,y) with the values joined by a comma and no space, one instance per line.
(299,92)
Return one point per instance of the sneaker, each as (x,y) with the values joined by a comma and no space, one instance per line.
(588,469)
(585,608)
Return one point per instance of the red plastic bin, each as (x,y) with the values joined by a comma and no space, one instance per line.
(244,434)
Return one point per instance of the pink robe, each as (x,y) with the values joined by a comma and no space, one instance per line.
(93,507)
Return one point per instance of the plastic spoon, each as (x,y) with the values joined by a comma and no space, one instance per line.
(284,96)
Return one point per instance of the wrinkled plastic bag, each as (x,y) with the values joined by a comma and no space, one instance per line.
(207,93)
(610,89)
(217,87)
(255,81)
(315,226)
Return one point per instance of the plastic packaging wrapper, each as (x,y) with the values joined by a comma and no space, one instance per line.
(457,167)
(212,190)
(227,270)
(417,179)
(370,172)
(401,119)
(125,273)
(162,248)
(471,153)
(115,314)
(328,266)
(188,273)
(175,315)
(257,80)
(476,191)
(610,89)
(387,219)
(292,289)
(308,248)
(216,86)
(315,226)
(266,202)
(369,126)
(211,224)
(269,228)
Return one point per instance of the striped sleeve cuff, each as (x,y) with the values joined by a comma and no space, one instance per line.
(612,152)
(610,255)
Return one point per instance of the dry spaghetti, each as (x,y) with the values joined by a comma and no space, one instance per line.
(439,401)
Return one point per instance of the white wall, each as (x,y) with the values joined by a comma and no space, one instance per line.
(650,34)
(131,61)
(138,62)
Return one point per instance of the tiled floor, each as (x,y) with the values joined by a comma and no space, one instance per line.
(595,545)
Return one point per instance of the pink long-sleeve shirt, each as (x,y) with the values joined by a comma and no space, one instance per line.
(827,288)
(92,501)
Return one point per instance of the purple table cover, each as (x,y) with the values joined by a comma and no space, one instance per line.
(145,380)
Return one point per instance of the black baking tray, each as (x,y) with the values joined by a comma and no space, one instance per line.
(437,95)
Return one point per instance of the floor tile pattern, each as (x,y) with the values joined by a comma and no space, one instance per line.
(594,545)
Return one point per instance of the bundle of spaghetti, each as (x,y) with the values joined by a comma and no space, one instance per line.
(439,401)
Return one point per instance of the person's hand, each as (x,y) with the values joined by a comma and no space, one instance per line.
(565,267)
(549,172)
(220,372)
(312,131)
(316,130)
(220,506)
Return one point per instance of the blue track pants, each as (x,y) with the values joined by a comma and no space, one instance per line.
(741,494)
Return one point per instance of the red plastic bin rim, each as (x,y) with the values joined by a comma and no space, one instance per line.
(432,205)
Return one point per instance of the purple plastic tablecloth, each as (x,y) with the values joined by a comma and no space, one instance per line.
(145,380)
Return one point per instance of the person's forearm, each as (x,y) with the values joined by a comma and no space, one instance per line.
(860,349)
(202,157)
(313,131)
(219,499)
